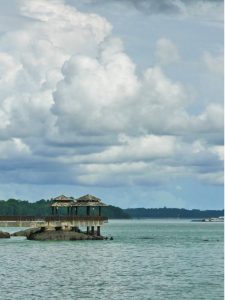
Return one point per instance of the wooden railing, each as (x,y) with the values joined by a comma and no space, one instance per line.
(53,218)
(75,218)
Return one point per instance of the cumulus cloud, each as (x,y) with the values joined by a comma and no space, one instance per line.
(130,149)
(74,110)
(214,64)
(101,85)
(166,52)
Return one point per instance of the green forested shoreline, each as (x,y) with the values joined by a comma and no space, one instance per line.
(172,213)
(15,207)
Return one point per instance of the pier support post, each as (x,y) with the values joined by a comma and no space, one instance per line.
(75,228)
(92,230)
(98,231)
(57,228)
(88,229)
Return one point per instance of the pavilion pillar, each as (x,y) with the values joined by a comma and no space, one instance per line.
(88,229)
(88,210)
(68,211)
(98,231)
(92,230)
(52,210)
(99,211)
(76,210)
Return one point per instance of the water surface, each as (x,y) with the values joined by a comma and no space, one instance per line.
(148,259)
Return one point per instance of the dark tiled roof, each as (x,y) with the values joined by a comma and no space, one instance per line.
(89,200)
(63,198)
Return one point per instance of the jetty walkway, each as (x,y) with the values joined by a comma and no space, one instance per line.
(50,222)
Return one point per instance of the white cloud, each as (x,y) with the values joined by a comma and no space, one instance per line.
(101,86)
(14,148)
(211,120)
(74,110)
(212,178)
(130,149)
(166,52)
(214,64)
(218,150)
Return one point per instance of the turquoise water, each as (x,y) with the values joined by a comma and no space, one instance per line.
(148,259)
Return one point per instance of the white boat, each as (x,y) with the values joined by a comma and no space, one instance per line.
(220,219)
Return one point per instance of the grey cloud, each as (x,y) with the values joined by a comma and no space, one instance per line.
(151,6)
(166,7)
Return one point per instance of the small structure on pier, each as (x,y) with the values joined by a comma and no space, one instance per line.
(60,202)
(89,202)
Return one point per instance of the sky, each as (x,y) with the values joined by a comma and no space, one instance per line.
(121,99)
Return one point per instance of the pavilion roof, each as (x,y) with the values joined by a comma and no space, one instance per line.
(88,200)
(63,198)
(62,201)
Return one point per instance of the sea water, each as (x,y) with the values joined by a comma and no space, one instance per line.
(148,259)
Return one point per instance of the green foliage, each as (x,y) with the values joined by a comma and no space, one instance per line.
(172,213)
(14,207)
(113,212)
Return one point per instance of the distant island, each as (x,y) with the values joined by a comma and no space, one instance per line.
(172,213)
(15,207)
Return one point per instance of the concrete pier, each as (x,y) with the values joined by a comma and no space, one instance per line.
(58,226)
(52,222)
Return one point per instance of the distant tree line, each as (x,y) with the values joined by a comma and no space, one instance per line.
(172,213)
(14,207)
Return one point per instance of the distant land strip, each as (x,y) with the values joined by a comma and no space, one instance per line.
(16,207)
(172,213)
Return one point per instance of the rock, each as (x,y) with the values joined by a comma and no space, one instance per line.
(25,232)
(61,235)
(4,235)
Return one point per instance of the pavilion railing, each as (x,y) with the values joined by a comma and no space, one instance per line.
(53,218)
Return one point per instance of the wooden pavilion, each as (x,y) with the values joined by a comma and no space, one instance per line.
(60,202)
(89,201)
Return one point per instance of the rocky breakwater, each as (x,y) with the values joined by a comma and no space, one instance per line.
(26,232)
(61,235)
(4,235)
